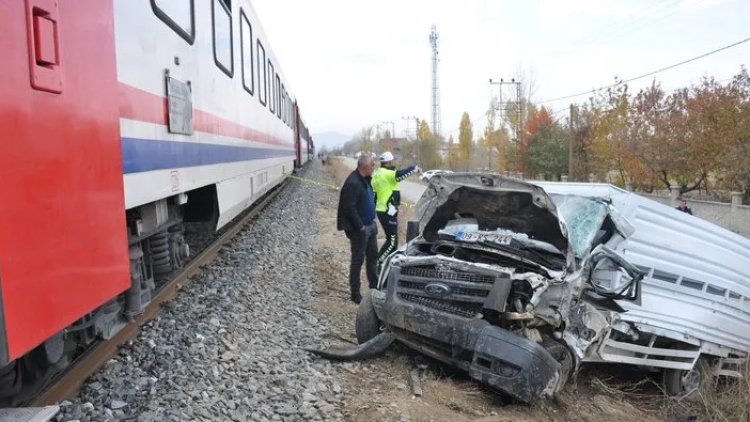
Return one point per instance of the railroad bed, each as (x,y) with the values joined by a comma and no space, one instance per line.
(227,346)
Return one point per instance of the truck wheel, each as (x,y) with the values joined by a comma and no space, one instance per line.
(562,355)
(367,325)
(687,383)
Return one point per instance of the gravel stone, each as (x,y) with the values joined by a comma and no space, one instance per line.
(228,346)
(117,404)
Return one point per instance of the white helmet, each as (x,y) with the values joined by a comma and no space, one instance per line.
(386,157)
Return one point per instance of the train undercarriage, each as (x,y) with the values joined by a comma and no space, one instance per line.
(158,247)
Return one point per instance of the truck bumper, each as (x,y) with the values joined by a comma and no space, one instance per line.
(514,365)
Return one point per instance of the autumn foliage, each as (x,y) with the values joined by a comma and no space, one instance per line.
(695,138)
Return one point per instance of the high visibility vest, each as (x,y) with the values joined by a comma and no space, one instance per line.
(384,184)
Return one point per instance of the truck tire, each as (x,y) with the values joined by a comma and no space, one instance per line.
(367,324)
(685,383)
(563,356)
(412,230)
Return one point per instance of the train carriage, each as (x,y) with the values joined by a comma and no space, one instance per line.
(121,120)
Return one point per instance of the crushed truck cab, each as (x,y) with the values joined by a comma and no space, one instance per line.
(518,286)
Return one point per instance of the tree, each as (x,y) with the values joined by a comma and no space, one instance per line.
(547,151)
(696,137)
(494,142)
(713,118)
(427,146)
(659,137)
(536,121)
(453,154)
(465,140)
(513,130)
(736,160)
(580,127)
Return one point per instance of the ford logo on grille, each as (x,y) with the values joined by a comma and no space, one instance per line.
(437,289)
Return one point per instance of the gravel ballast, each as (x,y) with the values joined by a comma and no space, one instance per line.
(228,346)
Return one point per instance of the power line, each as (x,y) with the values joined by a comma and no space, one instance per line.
(634,28)
(645,75)
(634,17)
(614,29)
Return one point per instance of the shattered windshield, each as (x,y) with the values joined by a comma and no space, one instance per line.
(584,218)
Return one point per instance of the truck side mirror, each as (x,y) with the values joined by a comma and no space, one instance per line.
(614,277)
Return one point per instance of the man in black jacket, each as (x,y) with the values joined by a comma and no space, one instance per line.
(356,217)
(684,207)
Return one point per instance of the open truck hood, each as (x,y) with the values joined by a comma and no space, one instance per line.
(495,202)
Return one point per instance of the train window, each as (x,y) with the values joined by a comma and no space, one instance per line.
(223,45)
(246,53)
(262,77)
(271,91)
(278,96)
(178,15)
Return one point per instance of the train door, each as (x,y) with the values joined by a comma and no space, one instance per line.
(63,245)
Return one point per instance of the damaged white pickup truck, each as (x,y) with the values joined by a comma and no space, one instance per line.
(518,284)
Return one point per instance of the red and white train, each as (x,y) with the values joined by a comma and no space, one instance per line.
(120,120)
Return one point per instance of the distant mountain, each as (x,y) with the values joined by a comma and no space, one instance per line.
(330,140)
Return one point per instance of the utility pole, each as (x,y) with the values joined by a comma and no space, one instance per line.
(501,108)
(393,127)
(572,141)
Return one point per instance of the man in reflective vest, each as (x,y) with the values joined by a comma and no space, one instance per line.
(387,200)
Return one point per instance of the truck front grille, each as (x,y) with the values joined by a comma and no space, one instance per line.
(454,292)
(456,309)
(432,273)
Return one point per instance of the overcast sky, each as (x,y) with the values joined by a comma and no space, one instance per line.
(355,63)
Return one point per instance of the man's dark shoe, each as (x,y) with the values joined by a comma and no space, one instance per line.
(356,298)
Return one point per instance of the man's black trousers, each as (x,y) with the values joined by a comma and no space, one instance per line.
(390,228)
(364,245)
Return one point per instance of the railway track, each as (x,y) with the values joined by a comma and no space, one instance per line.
(70,381)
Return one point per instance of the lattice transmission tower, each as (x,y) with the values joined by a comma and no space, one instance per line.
(435,83)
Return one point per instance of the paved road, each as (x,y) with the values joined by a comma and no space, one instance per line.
(410,191)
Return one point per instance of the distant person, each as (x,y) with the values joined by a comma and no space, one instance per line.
(683,207)
(356,217)
(385,183)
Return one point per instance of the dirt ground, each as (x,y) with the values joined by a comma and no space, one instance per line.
(381,388)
